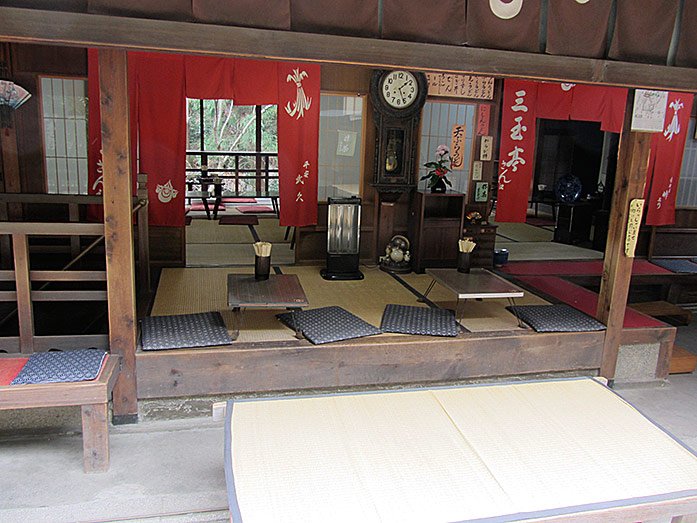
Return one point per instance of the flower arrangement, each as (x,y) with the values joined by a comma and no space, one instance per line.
(439,169)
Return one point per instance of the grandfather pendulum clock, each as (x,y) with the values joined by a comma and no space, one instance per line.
(398,98)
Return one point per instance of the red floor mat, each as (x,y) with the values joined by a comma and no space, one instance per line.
(576,268)
(583,299)
(9,368)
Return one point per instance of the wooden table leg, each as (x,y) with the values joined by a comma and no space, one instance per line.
(298,332)
(95,437)
(511,302)
(207,209)
(237,318)
(428,290)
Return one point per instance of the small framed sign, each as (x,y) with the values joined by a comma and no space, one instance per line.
(481,192)
(476,170)
(485,149)
(649,110)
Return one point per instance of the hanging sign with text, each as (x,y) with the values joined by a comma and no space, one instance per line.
(460,86)
(457,148)
(483,114)
(636,209)
(486,148)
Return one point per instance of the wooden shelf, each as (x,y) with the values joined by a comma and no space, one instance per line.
(435,223)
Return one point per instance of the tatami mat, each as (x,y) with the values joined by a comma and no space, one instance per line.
(219,254)
(210,231)
(490,451)
(364,298)
(190,290)
(535,251)
(522,232)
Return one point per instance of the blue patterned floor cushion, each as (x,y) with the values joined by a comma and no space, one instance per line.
(406,319)
(556,318)
(204,329)
(61,367)
(676,265)
(327,324)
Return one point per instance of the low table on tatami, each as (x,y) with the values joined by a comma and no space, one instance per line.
(280,291)
(476,284)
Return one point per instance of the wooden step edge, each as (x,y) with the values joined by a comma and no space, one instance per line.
(682,361)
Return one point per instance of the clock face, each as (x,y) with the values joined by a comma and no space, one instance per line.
(399,89)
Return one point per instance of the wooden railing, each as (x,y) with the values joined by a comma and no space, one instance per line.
(16,235)
(260,177)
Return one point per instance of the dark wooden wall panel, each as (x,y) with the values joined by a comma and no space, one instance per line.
(167,246)
(245,13)
(49,60)
(163,9)
(342,17)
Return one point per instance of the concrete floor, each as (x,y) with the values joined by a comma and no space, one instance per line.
(173,470)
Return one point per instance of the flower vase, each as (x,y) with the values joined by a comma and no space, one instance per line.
(439,186)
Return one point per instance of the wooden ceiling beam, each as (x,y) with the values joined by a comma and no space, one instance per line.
(79,29)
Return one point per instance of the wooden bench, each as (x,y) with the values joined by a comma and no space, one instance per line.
(91,396)
(664,309)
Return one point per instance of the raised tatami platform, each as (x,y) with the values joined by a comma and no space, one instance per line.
(267,357)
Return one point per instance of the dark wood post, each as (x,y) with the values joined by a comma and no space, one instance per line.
(143,235)
(25,309)
(118,228)
(630,179)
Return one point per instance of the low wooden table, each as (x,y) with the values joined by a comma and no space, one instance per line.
(204,196)
(280,291)
(476,284)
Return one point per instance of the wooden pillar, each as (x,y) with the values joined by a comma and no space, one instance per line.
(118,228)
(10,166)
(143,235)
(25,308)
(630,179)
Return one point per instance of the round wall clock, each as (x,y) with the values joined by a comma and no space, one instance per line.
(399,93)
(399,89)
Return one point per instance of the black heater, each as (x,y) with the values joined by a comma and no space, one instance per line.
(343,239)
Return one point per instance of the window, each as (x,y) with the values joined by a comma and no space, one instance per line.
(437,121)
(687,190)
(238,143)
(340,139)
(64,114)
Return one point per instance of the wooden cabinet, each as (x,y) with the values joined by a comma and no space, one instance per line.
(435,223)
(485,238)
